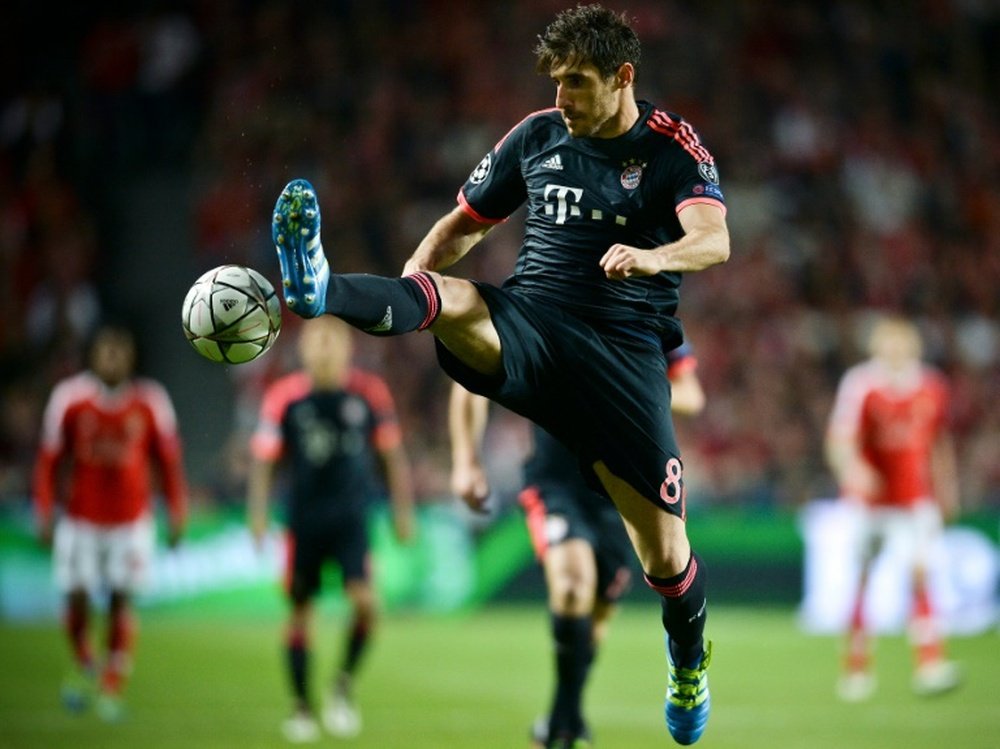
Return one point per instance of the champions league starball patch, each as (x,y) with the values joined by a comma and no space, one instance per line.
(708,172)
(482,171)
(632,175)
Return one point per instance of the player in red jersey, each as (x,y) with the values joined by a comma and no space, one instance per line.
(577,535)
(334,428)
(111,430)
(890,448)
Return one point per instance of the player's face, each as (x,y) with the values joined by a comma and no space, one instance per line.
(112,358)
(590,104)
(325,349)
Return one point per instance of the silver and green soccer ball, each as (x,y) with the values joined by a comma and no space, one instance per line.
(231,314)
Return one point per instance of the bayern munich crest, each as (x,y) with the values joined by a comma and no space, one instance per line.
(632,175)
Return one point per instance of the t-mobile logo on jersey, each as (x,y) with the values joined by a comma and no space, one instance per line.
(566,203)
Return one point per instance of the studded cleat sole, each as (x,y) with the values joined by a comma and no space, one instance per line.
(295,230)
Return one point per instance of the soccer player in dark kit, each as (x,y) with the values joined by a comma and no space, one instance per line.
(622,199)
(333,429)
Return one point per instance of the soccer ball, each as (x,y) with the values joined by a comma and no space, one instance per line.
(231,314)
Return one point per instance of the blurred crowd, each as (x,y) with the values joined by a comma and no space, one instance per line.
(858,144)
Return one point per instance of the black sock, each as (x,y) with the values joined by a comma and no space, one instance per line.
(684,611)
(383,306)
(298,666)
(357,640)
(574,644)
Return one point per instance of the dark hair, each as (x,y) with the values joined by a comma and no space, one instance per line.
(588,33)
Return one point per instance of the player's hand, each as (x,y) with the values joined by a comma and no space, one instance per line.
(403,525)
(46,532)
(469,483)
(621,262)
(862,480)
(174,535)
(258,530)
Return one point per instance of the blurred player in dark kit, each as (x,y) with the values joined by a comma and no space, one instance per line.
(890,447)
(112,432)
(622,199)
(333,429)
(578,537)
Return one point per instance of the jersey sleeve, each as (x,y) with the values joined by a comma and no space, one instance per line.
(496,187)
(693,176)
(680,361)
(50,451)
(267,442)
(848,405)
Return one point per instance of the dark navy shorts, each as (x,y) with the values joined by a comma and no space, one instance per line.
(559,511)
(602,393)
(344,543)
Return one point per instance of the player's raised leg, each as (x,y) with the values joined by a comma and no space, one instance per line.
(374,304)
(451,307)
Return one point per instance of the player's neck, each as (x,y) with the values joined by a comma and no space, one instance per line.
(624,120)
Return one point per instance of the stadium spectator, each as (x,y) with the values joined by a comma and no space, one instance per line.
(114,430)
(577,535)
(333,429)
(889,445)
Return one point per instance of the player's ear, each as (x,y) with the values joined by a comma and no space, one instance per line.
(625,76)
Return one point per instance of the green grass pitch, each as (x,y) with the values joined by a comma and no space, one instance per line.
(215,680)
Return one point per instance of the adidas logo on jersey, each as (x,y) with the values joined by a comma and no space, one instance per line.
(553,162)
(384,325)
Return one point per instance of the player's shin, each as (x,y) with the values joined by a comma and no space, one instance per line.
(574,646)
(684,610)
(384,306)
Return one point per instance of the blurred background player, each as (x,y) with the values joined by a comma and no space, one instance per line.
(577,535)
(890,448)
(335,428)
(104,432)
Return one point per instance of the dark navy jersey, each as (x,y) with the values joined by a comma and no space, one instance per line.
(584,195)
(329,441)
(553,464)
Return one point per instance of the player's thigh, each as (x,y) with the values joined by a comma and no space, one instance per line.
(913,532)
(128,555)
(303,566)
(659,537)
(465,327)
(348,546)
(75,556)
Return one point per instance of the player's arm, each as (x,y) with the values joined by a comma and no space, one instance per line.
(51,453)
(168,456)
(260,482)
(467,415)
(447,242)
(856,477)
(944,474)
(398,480)
(44,492)
(687,396)
(705,243)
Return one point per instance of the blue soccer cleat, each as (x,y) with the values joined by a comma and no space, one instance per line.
(688,703)
(295,226)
